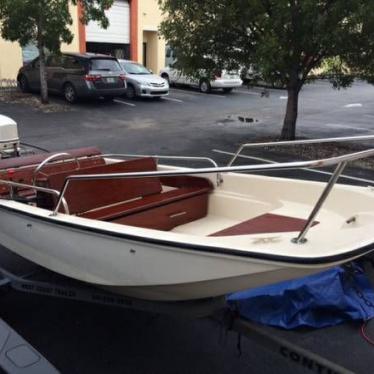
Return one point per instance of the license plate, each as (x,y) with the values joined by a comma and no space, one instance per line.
(110,80)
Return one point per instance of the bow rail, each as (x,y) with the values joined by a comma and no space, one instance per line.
(298,142)
(13,184)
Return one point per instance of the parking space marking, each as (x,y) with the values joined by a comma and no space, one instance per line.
(124,103)
(193,93)
(354,105)
(217,95)
(248,93)
(343,126)
(172,99)
(268,161)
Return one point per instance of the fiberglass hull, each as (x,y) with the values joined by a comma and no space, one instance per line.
(144,267)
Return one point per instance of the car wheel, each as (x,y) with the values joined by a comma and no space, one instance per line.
(23,84)
(70,94)
(130,92)
(204,86)
(166,77)
(227,89)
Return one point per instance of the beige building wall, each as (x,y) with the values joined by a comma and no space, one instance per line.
(149,19)
(10,59)
(74,45)
(11,53)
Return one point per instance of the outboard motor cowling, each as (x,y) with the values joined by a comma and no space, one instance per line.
(9,139)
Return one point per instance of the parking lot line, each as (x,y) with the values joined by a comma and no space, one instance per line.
(354,105)
(194,93)
(217,95)
(343,126)
(124,103)
(172,99)
(247,93)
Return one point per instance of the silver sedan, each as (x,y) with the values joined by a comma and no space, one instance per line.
(142,82)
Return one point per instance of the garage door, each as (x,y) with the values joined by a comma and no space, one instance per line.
(119,28)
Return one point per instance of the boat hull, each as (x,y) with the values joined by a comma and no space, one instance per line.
(211,288)
(133,267)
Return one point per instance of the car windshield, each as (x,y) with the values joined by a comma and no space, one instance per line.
(105,64)
(134,68)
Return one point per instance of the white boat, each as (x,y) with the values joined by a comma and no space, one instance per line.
(169,233)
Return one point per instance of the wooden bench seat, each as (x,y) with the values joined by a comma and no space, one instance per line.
(113,212)
(87,195)
(16,162)
(139,202)
(22,168)
(167,216)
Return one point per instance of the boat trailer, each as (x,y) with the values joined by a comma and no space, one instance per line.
(40,281)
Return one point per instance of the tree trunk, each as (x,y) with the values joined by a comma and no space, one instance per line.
(42,58)
(43,76)
(289,123)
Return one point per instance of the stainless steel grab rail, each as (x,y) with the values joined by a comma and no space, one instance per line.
(186,158)
(193,158)
(340,161)
(51,158)
(297,142)
(36,188)
(301,237)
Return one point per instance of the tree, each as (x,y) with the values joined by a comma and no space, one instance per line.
(284,39)
(46,23)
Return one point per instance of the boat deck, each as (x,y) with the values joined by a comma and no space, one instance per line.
(288,218)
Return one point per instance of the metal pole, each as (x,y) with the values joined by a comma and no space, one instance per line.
(219,179)
(298,142)
(301,238)
(237,153)
(36,188)
(61,197)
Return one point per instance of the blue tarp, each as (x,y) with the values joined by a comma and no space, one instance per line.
(320,300)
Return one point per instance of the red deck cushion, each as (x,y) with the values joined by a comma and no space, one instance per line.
(266,223)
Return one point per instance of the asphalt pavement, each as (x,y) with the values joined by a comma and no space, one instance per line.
(84,338)
(188,122)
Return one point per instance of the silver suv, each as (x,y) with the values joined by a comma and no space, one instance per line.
(76,76)
(142,82)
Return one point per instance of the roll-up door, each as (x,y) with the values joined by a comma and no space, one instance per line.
(119,25)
